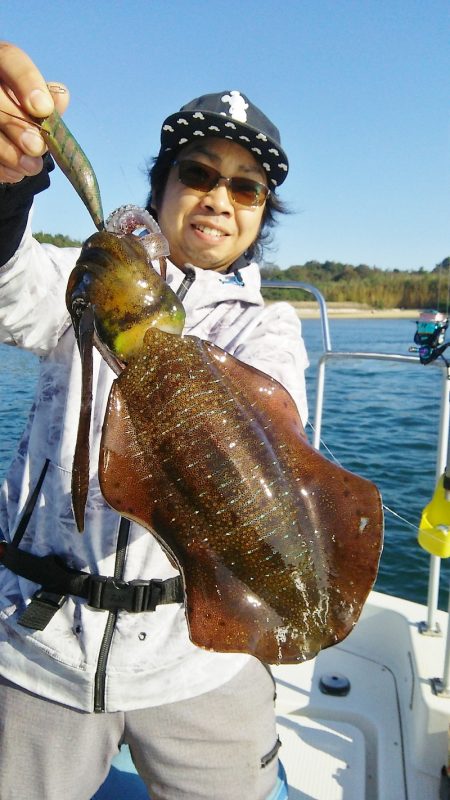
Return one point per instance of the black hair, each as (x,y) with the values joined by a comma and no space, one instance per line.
(158,174)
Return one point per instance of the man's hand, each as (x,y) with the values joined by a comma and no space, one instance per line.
(24,95)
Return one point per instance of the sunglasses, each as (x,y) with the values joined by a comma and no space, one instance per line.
(203,178)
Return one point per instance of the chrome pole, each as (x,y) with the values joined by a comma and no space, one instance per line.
(320,387)
(446,675)
(441,463)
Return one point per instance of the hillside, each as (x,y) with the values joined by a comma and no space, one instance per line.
(368,286)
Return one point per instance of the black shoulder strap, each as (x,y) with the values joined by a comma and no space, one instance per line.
(187,282)
(29,507)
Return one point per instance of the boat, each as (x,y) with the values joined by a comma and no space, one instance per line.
(367,719)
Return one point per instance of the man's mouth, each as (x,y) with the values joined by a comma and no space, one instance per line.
(214,232)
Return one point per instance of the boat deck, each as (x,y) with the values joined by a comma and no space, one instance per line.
(386,739)
(371,742)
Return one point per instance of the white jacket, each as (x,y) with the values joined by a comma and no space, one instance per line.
(147,659)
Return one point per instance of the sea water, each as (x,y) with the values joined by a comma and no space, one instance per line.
(381,420)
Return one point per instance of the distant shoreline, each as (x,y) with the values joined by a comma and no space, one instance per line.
(310,310)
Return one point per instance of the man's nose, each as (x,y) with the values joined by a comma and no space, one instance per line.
(219,197)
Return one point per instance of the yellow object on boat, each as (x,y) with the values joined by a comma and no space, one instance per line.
(434,528)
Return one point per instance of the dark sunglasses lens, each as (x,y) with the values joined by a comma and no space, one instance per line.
(248,193)
(197,176)
(204,178)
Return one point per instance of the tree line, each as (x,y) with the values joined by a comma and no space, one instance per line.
(343,283)
(58,239)
(371,286)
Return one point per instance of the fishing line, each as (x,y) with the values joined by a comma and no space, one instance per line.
(399,516)
(439,289)
(448,289)
(336,461)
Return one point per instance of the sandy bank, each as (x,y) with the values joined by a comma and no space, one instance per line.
(310,310)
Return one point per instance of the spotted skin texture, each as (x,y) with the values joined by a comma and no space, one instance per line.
(114,277)
(278,547)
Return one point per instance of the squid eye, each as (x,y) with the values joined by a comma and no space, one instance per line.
(77,309)
(79,305)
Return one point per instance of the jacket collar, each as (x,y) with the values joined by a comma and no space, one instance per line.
(239,264)
(207,288)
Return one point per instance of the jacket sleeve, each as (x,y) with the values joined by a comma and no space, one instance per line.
(16,200)
(33,277)
(276,347)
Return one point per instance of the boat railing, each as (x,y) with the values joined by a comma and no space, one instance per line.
(430,627)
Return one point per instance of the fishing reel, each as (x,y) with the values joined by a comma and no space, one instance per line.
(430,336)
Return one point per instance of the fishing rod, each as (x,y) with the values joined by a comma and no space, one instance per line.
(430,336)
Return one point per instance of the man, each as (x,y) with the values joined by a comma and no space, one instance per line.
(199,724)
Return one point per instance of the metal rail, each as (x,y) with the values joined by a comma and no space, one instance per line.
(329,354)
(307,287)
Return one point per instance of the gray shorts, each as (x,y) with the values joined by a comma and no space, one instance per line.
(209,747)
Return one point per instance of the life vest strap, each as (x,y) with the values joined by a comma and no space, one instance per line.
(102,592)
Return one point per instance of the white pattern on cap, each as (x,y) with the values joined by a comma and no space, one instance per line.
(238,105)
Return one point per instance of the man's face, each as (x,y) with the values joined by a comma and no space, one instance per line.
(207,229)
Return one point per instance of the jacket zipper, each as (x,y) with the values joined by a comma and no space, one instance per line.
(105,647)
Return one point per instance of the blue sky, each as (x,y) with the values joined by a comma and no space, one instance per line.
(359,90)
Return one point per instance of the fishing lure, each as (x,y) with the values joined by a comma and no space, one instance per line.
(72,161)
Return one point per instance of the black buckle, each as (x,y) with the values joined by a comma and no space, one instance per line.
(108,594)
(155,592)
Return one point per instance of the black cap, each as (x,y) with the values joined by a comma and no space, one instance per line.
(229,115)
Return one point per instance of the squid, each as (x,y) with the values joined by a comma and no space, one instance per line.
(277,546)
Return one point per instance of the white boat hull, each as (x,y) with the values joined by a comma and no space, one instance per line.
(387,739)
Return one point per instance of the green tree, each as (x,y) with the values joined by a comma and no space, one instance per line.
(366,285)
(58,239)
